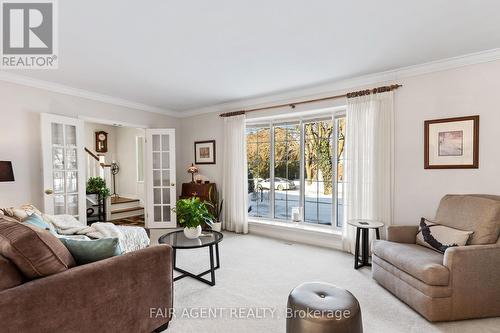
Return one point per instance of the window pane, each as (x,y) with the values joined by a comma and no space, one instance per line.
(156,142)
(258,158)
(311,211)
(57,134)
(157,213)
(71,182)
(166,213)
(73,204)
(156,160)
(165,142)
(59,205)
(70,135)
(156,178)
(325,213)
(71,161)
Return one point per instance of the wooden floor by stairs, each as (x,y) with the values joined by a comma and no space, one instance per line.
(127,211)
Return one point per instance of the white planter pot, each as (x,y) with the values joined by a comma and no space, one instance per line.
(216,226)
(192,233)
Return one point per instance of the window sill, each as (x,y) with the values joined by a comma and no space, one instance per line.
(300,233)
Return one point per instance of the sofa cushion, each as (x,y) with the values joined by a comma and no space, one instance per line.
(9,274)
(416,260)
(478,213)
(36,252)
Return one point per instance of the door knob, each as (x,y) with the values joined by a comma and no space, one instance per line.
(49,191)
(172,184)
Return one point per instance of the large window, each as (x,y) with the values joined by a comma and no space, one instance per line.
(297,166)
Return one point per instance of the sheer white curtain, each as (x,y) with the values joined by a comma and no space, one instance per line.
(369,161)
(234,191)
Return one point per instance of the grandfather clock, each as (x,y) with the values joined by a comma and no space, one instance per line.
(101,142)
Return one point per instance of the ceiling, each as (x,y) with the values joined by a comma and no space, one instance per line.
(184,55)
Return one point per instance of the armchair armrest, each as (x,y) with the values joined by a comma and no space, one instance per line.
(111,295)
(402,233)
(475,270)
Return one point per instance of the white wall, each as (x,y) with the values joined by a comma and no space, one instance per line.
(200,128)
(91,129)
(20,109)
(467,90)
(126,180)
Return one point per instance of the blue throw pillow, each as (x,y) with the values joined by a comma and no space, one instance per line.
(87,251)
(35,220)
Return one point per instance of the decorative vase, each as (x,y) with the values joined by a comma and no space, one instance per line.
(192,233)
(216,226)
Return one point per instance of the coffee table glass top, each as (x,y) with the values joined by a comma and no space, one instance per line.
(177,239)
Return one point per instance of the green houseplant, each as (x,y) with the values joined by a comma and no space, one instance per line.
(97,185)
(192,213)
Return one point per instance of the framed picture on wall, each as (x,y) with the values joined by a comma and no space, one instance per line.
(451,143)
(204,152)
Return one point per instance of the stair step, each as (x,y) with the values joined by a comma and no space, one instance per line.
(125,210)
(120,200)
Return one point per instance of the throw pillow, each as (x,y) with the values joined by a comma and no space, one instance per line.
(21,213)
(35,220)
(87,251)
(36,252)
(439,237)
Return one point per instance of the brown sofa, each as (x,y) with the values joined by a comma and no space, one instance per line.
(461,284)
(128,293)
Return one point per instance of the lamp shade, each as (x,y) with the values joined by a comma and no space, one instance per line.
(6,172)
(192,169)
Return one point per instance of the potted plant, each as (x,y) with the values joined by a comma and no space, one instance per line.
(192,213)
(97,185)
(217,209)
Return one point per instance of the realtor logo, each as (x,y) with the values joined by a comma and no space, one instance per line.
(29,34)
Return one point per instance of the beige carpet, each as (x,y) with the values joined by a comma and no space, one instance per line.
(258,272)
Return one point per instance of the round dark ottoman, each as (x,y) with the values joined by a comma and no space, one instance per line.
(317,307)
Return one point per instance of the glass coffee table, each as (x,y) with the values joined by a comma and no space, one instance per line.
(209,238)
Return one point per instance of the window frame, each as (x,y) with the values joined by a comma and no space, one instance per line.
(301,120)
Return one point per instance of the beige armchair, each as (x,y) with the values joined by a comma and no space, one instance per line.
(461,284)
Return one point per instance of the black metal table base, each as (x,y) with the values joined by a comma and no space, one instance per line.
(363,260)
(199,277)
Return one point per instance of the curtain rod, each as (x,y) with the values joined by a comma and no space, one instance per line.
(294,104)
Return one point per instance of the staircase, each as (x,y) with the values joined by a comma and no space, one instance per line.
(126,209)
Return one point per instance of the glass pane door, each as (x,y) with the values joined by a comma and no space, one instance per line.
(161,182)
(63,182)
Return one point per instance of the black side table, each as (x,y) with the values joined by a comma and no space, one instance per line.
(209,238)
(363,227)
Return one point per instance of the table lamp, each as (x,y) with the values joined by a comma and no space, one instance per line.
(6,172)
(192,170)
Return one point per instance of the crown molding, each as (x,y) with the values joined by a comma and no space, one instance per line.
(68,90)
(316,91)
(325,89)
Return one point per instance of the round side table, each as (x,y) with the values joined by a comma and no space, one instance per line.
(362,228)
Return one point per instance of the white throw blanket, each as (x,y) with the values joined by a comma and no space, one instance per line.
(68,225)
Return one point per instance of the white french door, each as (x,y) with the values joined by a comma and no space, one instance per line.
(160,178)
(63,166)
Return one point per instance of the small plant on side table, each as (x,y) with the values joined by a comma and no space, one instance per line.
(192,213)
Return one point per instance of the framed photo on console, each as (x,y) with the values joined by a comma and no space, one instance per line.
(204,152)
(451,143)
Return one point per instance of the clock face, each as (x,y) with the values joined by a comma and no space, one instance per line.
(102,136)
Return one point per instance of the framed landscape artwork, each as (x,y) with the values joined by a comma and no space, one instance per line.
(204,152)
(451,143)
